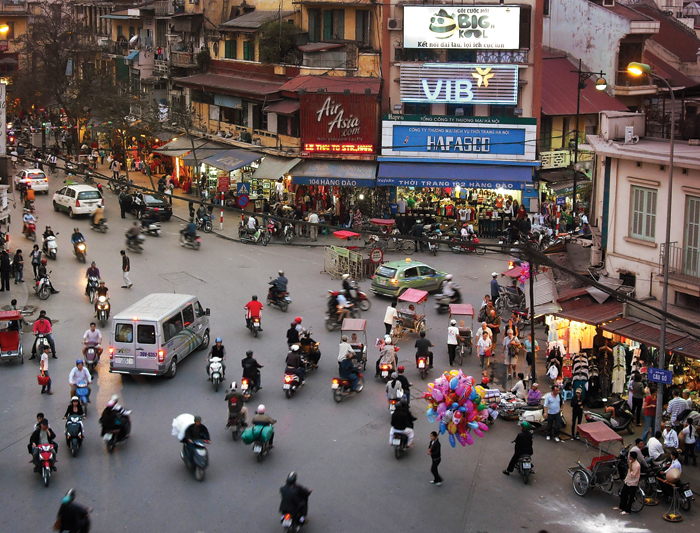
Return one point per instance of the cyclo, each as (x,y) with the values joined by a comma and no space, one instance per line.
(356,331)
(460,313)
(11,336)
(409,319)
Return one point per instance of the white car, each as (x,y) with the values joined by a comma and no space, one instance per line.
(78,200)
(37,178)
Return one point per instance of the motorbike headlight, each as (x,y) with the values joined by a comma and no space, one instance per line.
(102,298)
(201,451)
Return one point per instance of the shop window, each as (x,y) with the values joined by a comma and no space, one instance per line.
(461,56)
(248,50)
(502,111)
(643,213)
(288,125)
(416,109)
(314,25)
(460,110)
(232,116)
(120,31)
(230,49)
(691,253)
(363,20)
(333,24)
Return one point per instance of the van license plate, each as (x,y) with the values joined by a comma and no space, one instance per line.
(688,493)
(123,360)
(285,386)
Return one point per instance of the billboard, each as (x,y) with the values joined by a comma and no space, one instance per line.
(470,27)
(455,83)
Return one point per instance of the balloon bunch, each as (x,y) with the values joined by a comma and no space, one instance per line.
(524,273)
(456,402)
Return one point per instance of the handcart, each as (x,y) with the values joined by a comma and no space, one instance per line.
(356,331)
(461,313)
(11,336)
(409,319)
(599,467)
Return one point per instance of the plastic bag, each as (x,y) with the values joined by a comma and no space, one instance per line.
(180,425)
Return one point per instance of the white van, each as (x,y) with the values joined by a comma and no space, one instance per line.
(156,333)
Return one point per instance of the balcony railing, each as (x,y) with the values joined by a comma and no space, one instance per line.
(684,263)
(160,67)
(117,48)
(13,6)
(501,56)
(183,59)
(555,159)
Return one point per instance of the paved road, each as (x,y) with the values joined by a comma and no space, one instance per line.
(339,450)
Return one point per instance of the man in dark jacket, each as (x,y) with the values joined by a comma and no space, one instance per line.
(42,435)
(196,431)
(74,517)
(435,456)
(523,446)
(292,334)
(349,371)
(251,369)
(294,363)
(402,421)
(5,271)
(295,498)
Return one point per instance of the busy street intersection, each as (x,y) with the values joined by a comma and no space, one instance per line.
(339,450)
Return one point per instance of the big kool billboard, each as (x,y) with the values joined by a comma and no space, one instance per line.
(477,27)
(338,124)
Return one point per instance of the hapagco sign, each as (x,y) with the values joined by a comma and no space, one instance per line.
(472,27)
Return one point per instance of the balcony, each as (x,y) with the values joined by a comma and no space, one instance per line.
(115,48)
(501,56)
(165,8)
(13,6)
(160,67)
(684,263)
(555,159)
(183,59)
(627,84)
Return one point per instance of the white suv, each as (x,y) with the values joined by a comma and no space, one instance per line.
(35,177)
(78,200)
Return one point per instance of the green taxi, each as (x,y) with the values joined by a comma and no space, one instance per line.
(392,278)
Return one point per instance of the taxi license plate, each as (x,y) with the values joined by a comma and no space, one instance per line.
(397,442)
(257,448)
(123,360)
(688,493)
(382,281)
(527,465)
(286,386)
(334,386)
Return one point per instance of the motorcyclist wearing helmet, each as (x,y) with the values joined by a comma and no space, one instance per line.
(91,272)
(253,309)
(294,363)
(101,290)
(219,351)
(236,407)
(387,355)
(93,337)
(48,232)
(449,289)
(309,347)
(251,369)
(347,287)
(111,418)
(295,499)
(190,231)
(196,431)
(73,518)
(77,375)
(261,419)
(74,408)
(76,237)
(292,334)
(134,233)
(523,446)
(42,272)
(342,307)
(278,285)
(405,384)
(402,422)
(27,219)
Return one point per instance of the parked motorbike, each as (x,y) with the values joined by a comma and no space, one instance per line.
(93,283)
(30,232)
(343,387)
(135,244)
(103,308)
(80,250)
(74,433)
(535,416)
(151,228)
(281,301)
(285,231)
(458,246)
(200,459)
(433,243)
(510,298)
(101,226)
(204,223)
(49,247)
(216,373)
(116,436)
(43,286)
(254,326)
(253,236)
(190,242)
(291,384)
(47,460)
(91,358)
(524,466)
(400,443)
(623,419)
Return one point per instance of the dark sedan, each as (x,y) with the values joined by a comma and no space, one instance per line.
(151,206)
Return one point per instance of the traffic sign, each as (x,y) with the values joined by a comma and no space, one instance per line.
(242,188)
(658,375)
(376,255)
(243,200)
(561,200)
(224,183)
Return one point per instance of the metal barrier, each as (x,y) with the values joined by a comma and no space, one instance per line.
(338,261)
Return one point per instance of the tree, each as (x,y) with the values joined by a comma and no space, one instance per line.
(278,43)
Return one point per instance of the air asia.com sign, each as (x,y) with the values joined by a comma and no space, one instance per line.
(477,27)
(455,83)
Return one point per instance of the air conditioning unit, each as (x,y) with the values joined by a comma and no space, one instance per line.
(614,124)
(395,24)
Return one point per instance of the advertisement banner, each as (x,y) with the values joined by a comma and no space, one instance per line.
(338,124)
(459,83)
(470,27)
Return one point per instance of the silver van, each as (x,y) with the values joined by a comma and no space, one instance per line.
(152,336)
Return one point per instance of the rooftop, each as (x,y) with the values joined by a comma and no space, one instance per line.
(648,151)
(332,84)
(253,20)
(674,77)
(673,36)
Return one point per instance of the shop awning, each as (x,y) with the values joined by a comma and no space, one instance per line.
(164,136)
(649,334)
(180,146)
(206,151)
(132,54)
(283,107)
(452,175)
(230,160)
(335,173)
(274,167)
(594,314)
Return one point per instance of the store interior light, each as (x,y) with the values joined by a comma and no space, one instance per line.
(361,196)
(4,29)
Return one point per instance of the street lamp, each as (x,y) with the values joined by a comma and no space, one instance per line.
(637,69)
(600,85)
(4,29)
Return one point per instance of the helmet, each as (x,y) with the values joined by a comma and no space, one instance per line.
(387,339)
(233,385)
(113,400)
(494,274)
(44,261)
(249,353)
(292,478)
(448,277)
(260,410)
(526,425)
(336,293)
(298,320)
(295,347)
(346,276)
(79,362)
(75,399)
(102,282)
(486,380)
(394,375)
(453,322)
(218,339)
(69,497)
(254,298)
(281,272)
(401,369)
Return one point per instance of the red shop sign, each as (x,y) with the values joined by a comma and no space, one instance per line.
(338,123)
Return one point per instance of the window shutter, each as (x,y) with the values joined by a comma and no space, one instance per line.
(525,18)
(327,25)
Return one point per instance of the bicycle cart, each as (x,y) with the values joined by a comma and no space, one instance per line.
(356,331)
(11,336)
(411,320)
(460,313)
(598,468)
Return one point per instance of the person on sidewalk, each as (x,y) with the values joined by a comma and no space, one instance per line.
(126,268)
(629,489)
(690,434)
(434,453)
(649,413)
(5,271)
(552,412)
(18,266)
(115,167)
(576,412)
(313,230)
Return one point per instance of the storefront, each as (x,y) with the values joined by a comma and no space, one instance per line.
(229,166)
(168,157)
(273,175)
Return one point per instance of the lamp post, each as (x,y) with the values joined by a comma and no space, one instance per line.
(600,85)
(637,69)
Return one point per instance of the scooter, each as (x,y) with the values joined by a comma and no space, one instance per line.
(249,236)
(47,459)
(510,298)
(113,437)
(281,301)
(103,310)
(49,247)
(83,394)
(93,283)
(151,228)
(332,321)
(189,242)
(535,416)
(291,383)
(101,226)
(524,466)
(400,443)
(423,366)
(261,447)
(200,459)
(91,358)
(343,387)
(30,232)
(216,374)
(470,245)
(385,371)
(254,326)
(80,250)
(442,301)
(235,424)
(291,522)
(41,343)
(623,417)
(204,224)
(360,298)
(74,433)
(247,389)
(135,244)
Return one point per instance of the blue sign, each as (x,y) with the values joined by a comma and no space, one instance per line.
(242,188)
(561,200)
(464,184)
(453,139)
(660,376)
(243,200)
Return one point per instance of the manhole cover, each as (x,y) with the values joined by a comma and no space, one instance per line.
(181,278)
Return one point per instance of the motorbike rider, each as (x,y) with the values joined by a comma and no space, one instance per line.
(44,327)
(261,419)
(292,334)
(467,232)
(387,355)
(74,408)
(236,407)
(523,446)
(405,384)
(101,290)
(348,287)
(48,232)
(111,419)
(134,233)
(294,363)
(449,289)
(423,346)
(27,219)
(73,518)
(278,285)
(402,422)
(78,375)
(93,337)
(295,499)
(219,351)
(349,371)
(342,308)
(345,349)
(76,237)
(202,213)
(251,369)
(309,348)
(189,231)
(196,431)
(91,272)
(253,310)
(42,435)
(98,216)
